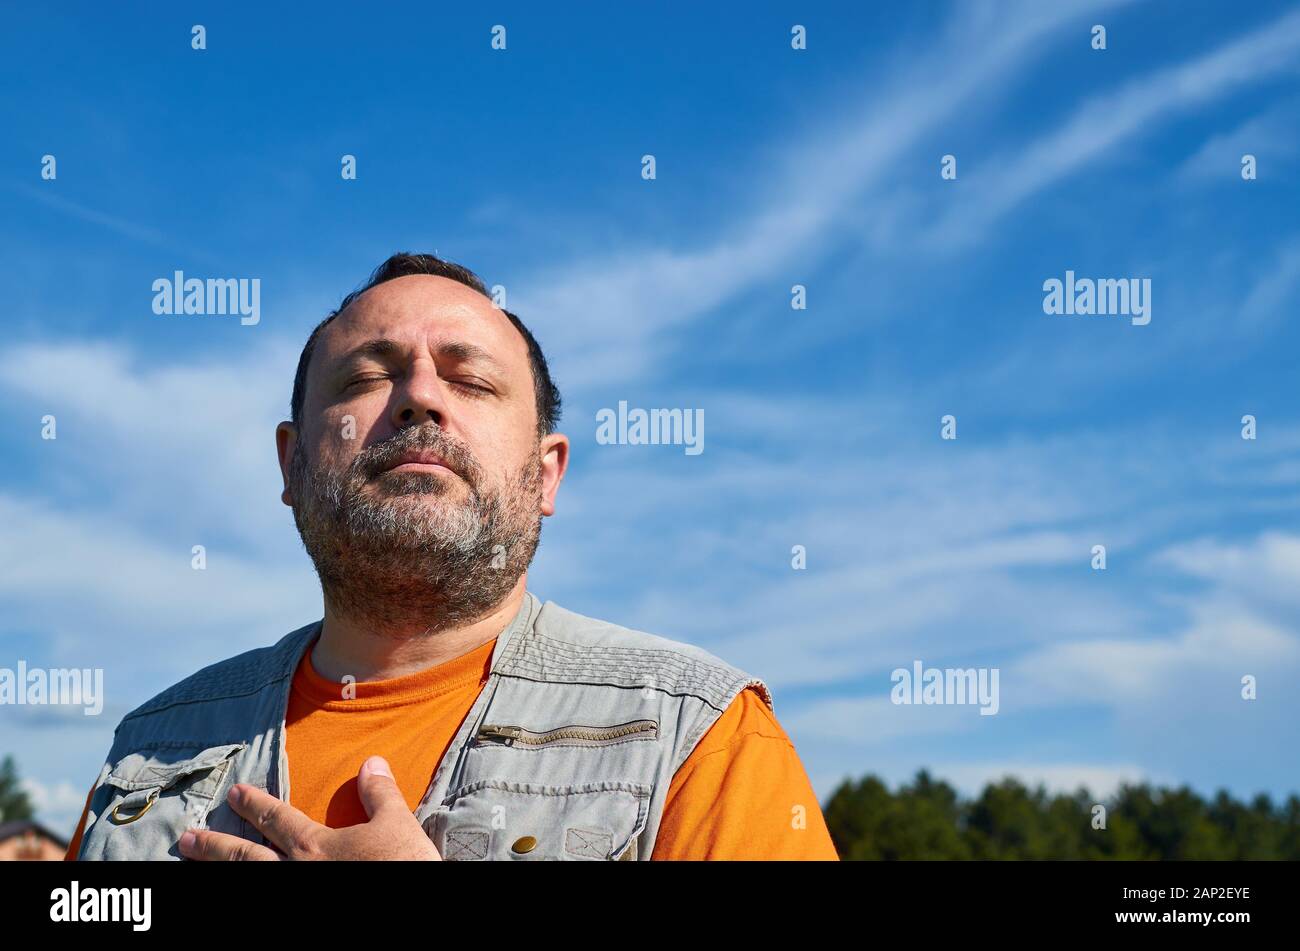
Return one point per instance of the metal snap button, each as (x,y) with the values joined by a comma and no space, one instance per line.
(524,844)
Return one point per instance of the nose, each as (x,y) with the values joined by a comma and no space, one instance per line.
(421,397)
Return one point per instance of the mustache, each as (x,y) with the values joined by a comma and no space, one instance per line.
(373,460)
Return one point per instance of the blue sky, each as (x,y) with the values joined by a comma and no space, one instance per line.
(775,167)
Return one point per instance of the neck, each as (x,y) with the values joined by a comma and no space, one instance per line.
(356,646)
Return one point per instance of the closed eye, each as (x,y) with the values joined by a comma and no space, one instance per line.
(365,379)
(464,384)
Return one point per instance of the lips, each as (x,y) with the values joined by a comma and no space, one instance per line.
(422,457)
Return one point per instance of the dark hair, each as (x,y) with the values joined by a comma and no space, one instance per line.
(403,264)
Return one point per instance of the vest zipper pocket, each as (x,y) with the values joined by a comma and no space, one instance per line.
(575,735)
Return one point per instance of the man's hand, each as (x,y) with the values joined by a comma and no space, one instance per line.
(391,833)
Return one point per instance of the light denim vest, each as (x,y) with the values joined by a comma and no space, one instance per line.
(572,742)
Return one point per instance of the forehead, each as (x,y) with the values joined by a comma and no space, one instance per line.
(421,310)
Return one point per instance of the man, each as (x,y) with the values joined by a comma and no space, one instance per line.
(439,710)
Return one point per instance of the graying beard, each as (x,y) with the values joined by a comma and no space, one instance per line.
(398,571)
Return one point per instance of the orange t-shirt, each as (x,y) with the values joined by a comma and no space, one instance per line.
(741,794)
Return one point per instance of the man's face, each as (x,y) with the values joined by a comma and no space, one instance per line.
(418,462)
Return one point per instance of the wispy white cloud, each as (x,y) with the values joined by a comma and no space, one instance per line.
(1274,291)
(608,316)
(1101,780)
(49,196)
(1109,120)
(866,722)
(190,440)
(1134,673)
(1270,137)
(74,573)
(1242,620)
(1262,572)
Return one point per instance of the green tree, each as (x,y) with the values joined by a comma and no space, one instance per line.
(1289,835)
(1174,824)
(14,803)
(1009,821)
(921,822)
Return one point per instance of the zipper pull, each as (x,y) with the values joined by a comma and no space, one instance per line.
(498,733)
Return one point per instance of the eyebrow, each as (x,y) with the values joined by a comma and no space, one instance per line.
(380,347)
(459,350)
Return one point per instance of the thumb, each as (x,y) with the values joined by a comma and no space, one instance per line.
(377,787)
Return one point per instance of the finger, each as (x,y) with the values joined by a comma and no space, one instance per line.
(378,789)
(204,845)
(290,829)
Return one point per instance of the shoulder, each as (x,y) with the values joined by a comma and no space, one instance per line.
(749,719)
(240,675)
(563,644)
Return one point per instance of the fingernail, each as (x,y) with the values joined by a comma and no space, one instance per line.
(187,841)
(236,794)
(379,767)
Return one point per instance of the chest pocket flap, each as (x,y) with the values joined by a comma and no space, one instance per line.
(150,797)
(160,768)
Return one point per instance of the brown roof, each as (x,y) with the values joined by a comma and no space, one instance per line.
(18,826)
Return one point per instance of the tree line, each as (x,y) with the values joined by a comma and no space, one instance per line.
(927,819)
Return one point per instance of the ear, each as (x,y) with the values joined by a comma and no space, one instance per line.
(555,460)
(286,438)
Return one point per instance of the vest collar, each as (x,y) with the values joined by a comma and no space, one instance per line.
(290,649)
